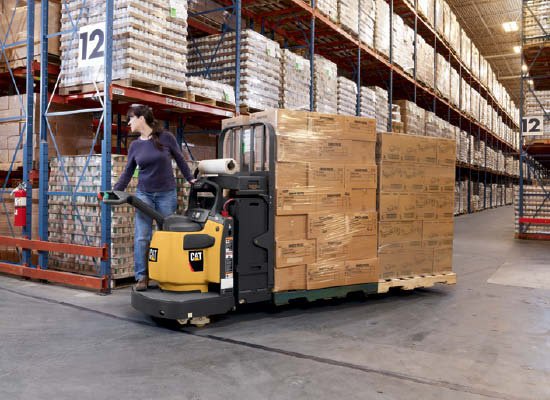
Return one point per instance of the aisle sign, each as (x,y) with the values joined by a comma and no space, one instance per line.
(91,45)
(532,126)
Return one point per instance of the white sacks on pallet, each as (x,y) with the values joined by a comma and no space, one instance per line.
(347,96)
(424,62)
(149,42)
(296,79)
(382,109)
(325,86)
(260,84)
(382,27)
(367,16)
(210,89)
(329,8)
(403,44)
(368,102)
(348,15)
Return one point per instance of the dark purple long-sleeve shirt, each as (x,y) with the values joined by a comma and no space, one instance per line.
(155,166)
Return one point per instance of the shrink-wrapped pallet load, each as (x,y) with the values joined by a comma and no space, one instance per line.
(426,9)
(368,102)
(382,108)
(443,76)
(416,204)
(212,90)
(260,83)
(13,32)
(325,178)
(425,62)
(367,16)
(328,8)
(325,86)
(348,15)
(347,96)
(403,44)
(413,118)
(296,79)
(149,43)
(382,27)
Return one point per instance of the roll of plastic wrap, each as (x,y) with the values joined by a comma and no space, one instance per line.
(220,166)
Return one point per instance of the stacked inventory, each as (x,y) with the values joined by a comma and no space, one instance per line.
(381,109)
(413,118)
(416,204)
(347,96)
(426,9)
(211,90)
(442,76)
(461,197)
(13,32)
(325,86)
(367,15)
(454,90)
(296,78)
(149,42)
(326,220)
(80,222)
(437,127)
(537,104)
(329,8)
(348,15)
(537,21)
(403,44)
(368,102)
(462,146)
(535,205)
(260,83)
(382,27)
(424,62)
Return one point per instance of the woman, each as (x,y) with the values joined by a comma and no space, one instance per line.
(152,153)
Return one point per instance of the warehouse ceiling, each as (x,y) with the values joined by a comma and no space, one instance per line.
(482,20)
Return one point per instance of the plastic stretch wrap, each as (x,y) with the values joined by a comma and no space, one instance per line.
(416,204)
(413,118)
(296,78)
(367,16)
(325,86)
(382,27)
(149,42)
(325,203)
(368,102)
(348,13)
(347,96)
(210,89)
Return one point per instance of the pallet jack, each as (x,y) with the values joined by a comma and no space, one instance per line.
(220,253)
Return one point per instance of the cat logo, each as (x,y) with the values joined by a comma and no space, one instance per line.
(153,254)
(196,260)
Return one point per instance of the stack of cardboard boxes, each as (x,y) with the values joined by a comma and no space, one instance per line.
(326,220)
(416,204)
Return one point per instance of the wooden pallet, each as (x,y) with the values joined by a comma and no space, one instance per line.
(282,298)
(197,98)
(246,110)
(420,281)
(130,82)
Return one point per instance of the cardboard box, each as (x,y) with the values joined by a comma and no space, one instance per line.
(333,248)
(325,274)
(235,121)
(397,147)
(285,122)
(427,150)
(290,278)
(391,177)
(330,149)
(399,235)
(291,227)
(406,263)
(362,223)
(361,271)
(443,259)
(297,149)
(361,176)
(426,206)
(361,199)
(363,247)
(326,175)
(331,200)
(362,152)
(326,225)
(388,206)
(296,201)
(326,125)
(437,233)
(407,206)
(446,152)
(445,206)
(294,252)
(360,128)
(291,174)
(414,177)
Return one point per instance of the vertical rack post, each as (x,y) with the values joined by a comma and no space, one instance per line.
(29,127)
(43,175)
(106,143)
(238,9)
(312,57)
(390,85)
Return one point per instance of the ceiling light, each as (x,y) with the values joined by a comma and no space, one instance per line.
(510,26)
(524,68)
(530,82)
(517,49)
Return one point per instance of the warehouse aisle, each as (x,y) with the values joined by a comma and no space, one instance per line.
(488,337)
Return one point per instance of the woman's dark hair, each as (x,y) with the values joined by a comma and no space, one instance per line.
(141,110)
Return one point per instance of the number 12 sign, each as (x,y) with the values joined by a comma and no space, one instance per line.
(91,45)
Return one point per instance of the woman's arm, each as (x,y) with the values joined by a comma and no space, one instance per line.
(126,176)
(178,156)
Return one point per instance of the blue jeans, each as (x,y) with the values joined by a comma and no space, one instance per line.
(166,204)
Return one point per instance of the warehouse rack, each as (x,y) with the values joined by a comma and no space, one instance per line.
(296,23)
(535,152)
(99,103)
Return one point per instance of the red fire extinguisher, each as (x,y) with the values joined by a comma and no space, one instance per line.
(20,204)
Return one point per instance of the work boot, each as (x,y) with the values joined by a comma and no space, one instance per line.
(141,285)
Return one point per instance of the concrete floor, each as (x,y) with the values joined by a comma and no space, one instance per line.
(475,340)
